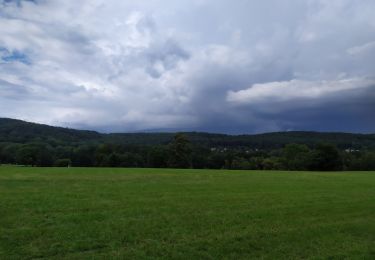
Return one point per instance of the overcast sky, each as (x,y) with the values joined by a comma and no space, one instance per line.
(243,66)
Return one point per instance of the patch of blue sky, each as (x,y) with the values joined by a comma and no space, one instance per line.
(18,2)
(14,56)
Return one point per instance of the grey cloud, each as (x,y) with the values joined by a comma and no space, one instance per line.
(17,2)
(191,65)
(165,57)
(12,91)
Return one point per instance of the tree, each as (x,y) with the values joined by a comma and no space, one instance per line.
(131,159)
(45,157)
(180,152)
(9,152)
(84,156)
(216,160)
(240,163)
(34,155)
(368,161)
(26,156)
(111,160)
(326,157)
(271,163)
(352,161)
(296,157)
(200,156)
(102,153)
(157,157)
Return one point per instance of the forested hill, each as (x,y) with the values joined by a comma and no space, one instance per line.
(17,131)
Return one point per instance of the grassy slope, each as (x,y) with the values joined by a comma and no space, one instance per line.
(188,214)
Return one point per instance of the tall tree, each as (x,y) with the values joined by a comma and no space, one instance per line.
(180,152)
(296,157)
(326,157)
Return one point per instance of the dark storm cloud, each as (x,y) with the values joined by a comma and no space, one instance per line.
(248,66)
(345,105)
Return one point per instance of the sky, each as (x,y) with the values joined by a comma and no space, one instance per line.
(244,66)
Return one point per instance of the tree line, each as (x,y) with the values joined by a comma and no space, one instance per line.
(181,153)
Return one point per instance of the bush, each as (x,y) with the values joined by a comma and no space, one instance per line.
(240,163)
(62,163)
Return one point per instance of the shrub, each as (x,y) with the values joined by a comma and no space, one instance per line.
(63,163)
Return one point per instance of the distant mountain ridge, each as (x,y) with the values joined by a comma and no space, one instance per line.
(18,131)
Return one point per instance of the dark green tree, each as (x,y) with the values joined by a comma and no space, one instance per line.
(157,157)
(240,163)
(216,160)
(200,156)
(111,160)
(368,161)
(131,159)
(9,153)
(296,157)
(34,155)
(180,152)
(326,157)
(272,163)
(84,156)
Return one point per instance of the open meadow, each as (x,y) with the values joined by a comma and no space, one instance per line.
(89,213)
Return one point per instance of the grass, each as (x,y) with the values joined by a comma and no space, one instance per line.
(92,213)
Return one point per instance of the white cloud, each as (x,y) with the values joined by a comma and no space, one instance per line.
(289,91)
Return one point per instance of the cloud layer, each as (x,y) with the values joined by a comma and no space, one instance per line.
(243,67)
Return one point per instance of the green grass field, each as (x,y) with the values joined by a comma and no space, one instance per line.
(92,213)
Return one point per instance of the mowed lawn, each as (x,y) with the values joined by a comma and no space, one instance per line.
(93,213)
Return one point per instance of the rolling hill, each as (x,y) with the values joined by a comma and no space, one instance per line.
(18,131)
